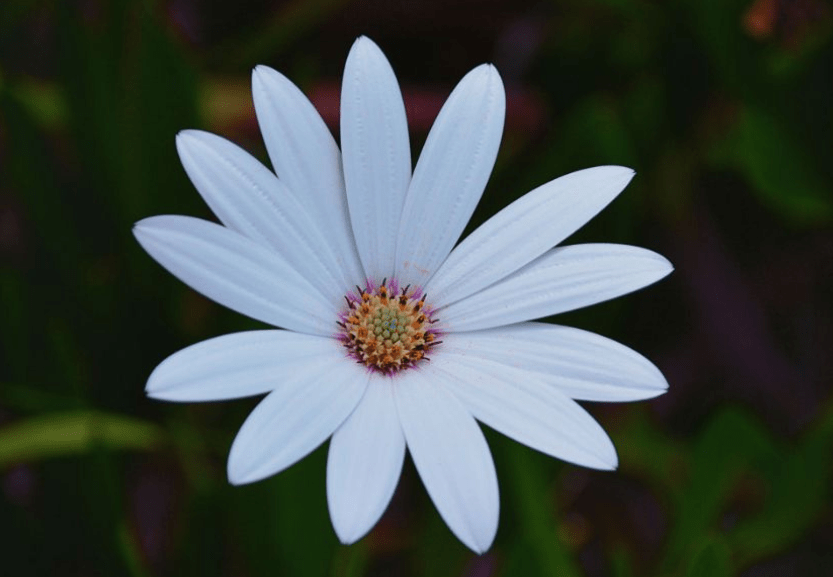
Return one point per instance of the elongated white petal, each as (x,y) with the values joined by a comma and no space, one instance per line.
(451,174)
(306,158)
(247,197)
(236,272)
(514,402)
(376,153)
(236,365)
(364,462)
(451,456)
(561,280)
(526,229)
(580,364)
(296,417)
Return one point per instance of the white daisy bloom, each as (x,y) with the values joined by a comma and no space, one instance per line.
(390,336)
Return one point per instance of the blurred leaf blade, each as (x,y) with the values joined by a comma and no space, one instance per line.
(712,560)
(726,447)
(73,433)
(734,56)
(779,170)
(29,171)
(529,489)
(288,23)
(799,491)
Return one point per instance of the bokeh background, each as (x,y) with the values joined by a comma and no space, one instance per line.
(723,107)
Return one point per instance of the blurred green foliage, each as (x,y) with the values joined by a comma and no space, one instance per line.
(100,481)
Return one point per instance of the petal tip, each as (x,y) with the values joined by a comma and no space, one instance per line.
(492,74)
(615,171)
(140,227)
(191,135)
(159,395)
(365,57)
(656,263)
(185,140)
(236,476)
(344,540)
(151,224)
(160,389)
(605,463)
(482,542)
(157,384)
(186,133)
(233,480)
(484,75)
(363,42)
(261,69)
(347,535)
(665,266)
(609,461)
(262,74)
(658,392)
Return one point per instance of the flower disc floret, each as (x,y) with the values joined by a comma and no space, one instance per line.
(386,329)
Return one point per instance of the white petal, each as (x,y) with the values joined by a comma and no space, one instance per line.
(451,456)
(520,406)
(236,272)
(296,417)
(376,154)
(248,198)
(451,174)
(235,365)
(306,158)
(561,280)
(364,462)
(526,229)
(580,364)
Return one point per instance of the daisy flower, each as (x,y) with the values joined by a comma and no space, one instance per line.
(391,337)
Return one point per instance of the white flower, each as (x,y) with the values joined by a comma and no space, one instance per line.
(295,246)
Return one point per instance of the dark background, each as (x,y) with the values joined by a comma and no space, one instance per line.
(723,107)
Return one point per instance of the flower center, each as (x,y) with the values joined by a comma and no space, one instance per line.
(387,329)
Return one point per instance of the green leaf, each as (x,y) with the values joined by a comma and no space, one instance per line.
(63,434)
(621,563)
(90,60)
(647,453)
(596,129)
(160,100)
(530,493)
(712,560)
(351,561)
(291,21)
(29,171)
(779,169)
(128,91)
(289,514)
(727,447)
(733,54)
(799,491)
